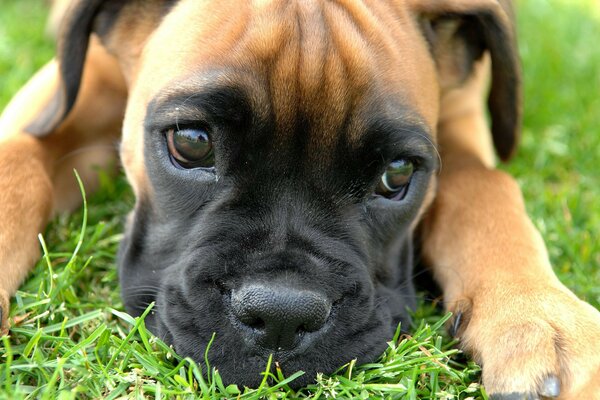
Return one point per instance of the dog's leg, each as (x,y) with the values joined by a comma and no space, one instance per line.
(529,332)
(25,198)
(36,173)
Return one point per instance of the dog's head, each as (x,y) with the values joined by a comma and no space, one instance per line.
(281,153)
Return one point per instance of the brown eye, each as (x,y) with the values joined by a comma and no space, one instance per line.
(191,148)
(394,181)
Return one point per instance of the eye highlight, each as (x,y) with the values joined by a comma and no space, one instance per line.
(395,180)
(190,147)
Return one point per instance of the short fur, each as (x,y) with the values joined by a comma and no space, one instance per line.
(308,102)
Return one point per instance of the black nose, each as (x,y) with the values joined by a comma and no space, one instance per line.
(278,317)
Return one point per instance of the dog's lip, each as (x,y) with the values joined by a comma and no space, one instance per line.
(289,360)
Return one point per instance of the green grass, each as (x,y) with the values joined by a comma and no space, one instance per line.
(23,45)
(71,339)
(557,165)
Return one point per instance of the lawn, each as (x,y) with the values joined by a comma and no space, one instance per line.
(71,339)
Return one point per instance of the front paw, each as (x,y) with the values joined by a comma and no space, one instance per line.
(4,309)
(532,343)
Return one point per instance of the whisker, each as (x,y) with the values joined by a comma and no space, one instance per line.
(144,287)
(130,296)
(433,145)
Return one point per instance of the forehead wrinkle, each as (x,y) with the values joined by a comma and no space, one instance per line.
(314,44)
(379,25)
(310,85)
(322,81)
(270,46)
(283,84)
(319,67)
(270,27)
(356,56)
(330,108)
(292,42)
(353,48)
(318,60)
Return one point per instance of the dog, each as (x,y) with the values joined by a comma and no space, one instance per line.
(285,157)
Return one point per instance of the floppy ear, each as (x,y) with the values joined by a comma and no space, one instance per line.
(117,23)
(459,32)
(72,48)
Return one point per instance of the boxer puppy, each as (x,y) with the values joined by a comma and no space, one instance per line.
(284,157)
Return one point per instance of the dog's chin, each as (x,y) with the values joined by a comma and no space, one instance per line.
(241,365)
(247,370)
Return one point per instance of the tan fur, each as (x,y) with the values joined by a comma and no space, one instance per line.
(36,175)
(57,12)
(25,189)
(519,321)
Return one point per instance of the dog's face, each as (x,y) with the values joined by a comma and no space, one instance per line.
(281,154)
(285,173)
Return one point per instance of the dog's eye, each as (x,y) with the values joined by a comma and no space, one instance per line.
(191,148)
(394,181)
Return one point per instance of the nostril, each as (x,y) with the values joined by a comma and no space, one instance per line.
(313,321)
(278,317)
(222,288)
(254,323)
(301,329)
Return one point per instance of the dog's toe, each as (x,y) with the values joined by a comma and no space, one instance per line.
(550,387)
(514,396)
(4,307)
(538,345)
(3,323)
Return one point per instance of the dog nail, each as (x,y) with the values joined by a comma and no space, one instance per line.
(456,324)
(514,396)
(550,387)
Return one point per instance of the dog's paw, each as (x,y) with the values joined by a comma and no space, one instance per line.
(4,308)
(532,343)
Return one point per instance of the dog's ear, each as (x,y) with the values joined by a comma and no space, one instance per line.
(73,42)
(459,33)
(82,19)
